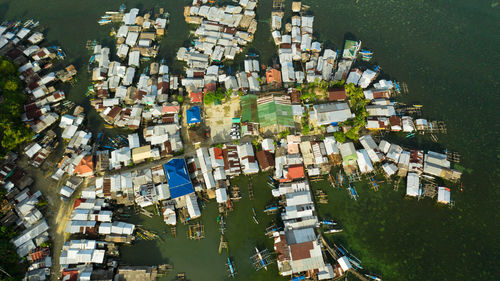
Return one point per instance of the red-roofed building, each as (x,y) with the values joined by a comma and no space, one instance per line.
(38,254)
(196,96)
(79,201)
(210,87)
(218,153)
(337,94)
(170,109)
(294,172)
(273,76)
(86,167)
(265,159)
(70,275)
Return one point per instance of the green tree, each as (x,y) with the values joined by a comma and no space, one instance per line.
(180,98)
(339,136)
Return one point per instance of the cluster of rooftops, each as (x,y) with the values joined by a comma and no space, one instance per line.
(21,210)
(146,104)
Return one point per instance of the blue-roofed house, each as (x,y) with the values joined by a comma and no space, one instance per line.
(178,178)
(193,115)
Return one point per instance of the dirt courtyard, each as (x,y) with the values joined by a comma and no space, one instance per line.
(219,119)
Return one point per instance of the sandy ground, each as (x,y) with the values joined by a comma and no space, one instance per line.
(57,212)
(219,119)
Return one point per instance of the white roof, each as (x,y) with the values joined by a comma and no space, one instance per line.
(390,169)
(221,195)
(268,144)
(133,141)
(331,145)
(444,195)
(344,263)
(192,206)
(364,163)
(33,149)
(412,184)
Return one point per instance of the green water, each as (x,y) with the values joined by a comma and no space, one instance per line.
(446,51)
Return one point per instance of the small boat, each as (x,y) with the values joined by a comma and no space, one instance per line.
(373,277)
(355,262)
(254,216)
(410,135)
(271,209)
(231,267)
(99,138)
(106,17)
(366,55)
(328,222)
(331,180)
(122,8)
(352,192)
(111,12)
(261,258)
(340,178)
(331,231)
(271,179)
(103,21)
(434,138)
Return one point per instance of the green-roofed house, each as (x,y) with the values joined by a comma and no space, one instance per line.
(349,156)
(249,111)
(275,113)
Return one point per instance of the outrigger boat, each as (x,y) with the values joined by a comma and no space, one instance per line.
(103,21)
(122,8)
(230,268)
(331,180)
(255,216)
(271,209)
(340,178)
(373,277)
(354,261)
(271,179)
(327,222)
(366,55)
(352,192)
(410,135)
(330,231)
(261,259)
(271,185)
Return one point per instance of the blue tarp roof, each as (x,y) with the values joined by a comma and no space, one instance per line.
(179,182)
(193,115)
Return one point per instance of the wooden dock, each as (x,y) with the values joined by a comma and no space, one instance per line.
(223,245)
(250,189)
(278,5)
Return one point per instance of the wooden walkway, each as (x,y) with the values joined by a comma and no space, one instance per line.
(250,189)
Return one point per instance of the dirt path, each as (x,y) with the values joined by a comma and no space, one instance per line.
(57,212)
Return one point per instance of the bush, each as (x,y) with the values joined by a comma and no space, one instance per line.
(211,97)
(180,98)
(284,134)
(339,136)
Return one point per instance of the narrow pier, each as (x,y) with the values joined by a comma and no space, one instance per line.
(250,190)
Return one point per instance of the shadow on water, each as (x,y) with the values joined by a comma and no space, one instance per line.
(3,10)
